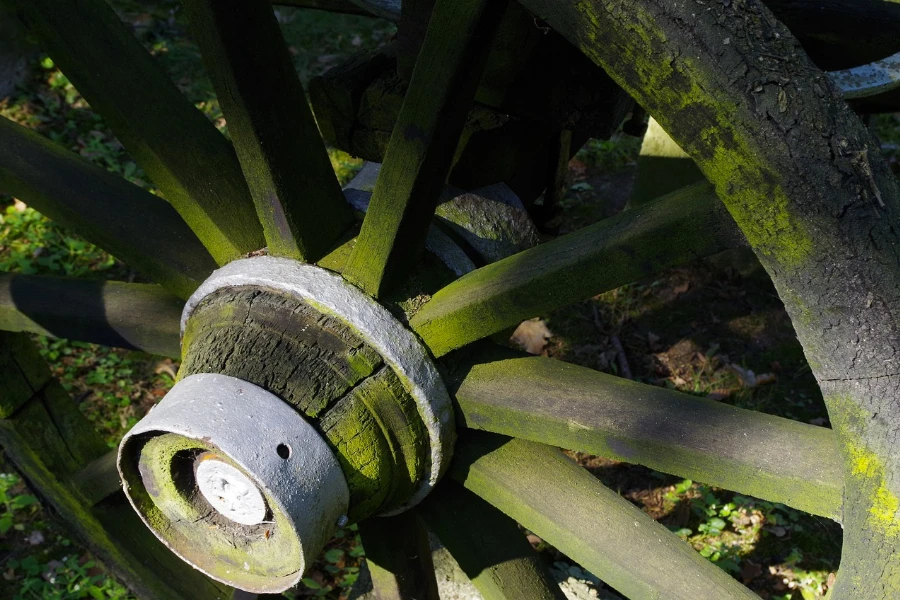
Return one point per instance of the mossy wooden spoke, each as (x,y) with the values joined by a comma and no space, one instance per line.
(180,150)
(297,196)
(573,407)
(126,315)
(135,226)
(549,494)
(807,184)
(423,142)
(489,547)
(47,439)
(672,230)
(399,557)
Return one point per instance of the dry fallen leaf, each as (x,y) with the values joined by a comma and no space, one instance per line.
(531,336)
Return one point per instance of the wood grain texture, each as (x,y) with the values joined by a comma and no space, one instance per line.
(98,479)
(489,546)
(675,229)
(805,181)
(318,365)
(549,494)
(24,372)
(135,226)
(297,196)
(573,407)
(126,315)
(178,148)
(399,557)
(423,143)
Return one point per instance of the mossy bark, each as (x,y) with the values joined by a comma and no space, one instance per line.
(319,366)
(805,181)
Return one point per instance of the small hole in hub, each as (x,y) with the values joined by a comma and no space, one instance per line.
(284,451)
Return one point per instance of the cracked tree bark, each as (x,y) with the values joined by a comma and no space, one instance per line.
(805,181)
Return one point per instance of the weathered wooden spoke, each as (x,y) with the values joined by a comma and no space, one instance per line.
(135,226)
(360,392)
(564,405)
(489,547)
(807,185)
(549,494)
(423,143)
(297,196)
(677,228)
(43,433)
(180,150)
(126,315)
(398,555)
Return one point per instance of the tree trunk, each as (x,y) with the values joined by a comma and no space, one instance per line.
(805,181)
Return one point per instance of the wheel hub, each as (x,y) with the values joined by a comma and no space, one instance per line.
(301,405)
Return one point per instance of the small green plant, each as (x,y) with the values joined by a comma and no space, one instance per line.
(337,569)
(37,562)
(21,505)
(33,244)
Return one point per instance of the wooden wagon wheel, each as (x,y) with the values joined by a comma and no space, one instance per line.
(789,163)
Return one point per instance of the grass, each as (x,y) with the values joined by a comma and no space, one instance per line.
(115,387)
(701,329)
(39,562)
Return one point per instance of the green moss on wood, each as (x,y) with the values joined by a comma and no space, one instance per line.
(490,547)
(48,441)
(164,489)
(179,149)
(549,494)
(423,142)
(632,245)
(320,366)
(580,409)
(272,128)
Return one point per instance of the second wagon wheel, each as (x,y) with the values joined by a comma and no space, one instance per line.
(307,399)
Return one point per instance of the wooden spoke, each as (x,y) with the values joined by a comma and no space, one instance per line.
(423,143)
(98,479)
(112,313)
(133,225)
(181,151)
(819,215)
(581,409)
(489,547)
(546,492)
(47,439)
(297,196)
(336,6)
(672,230)
(399,557)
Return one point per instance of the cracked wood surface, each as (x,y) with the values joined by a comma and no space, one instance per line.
(805,182)
(318,365)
